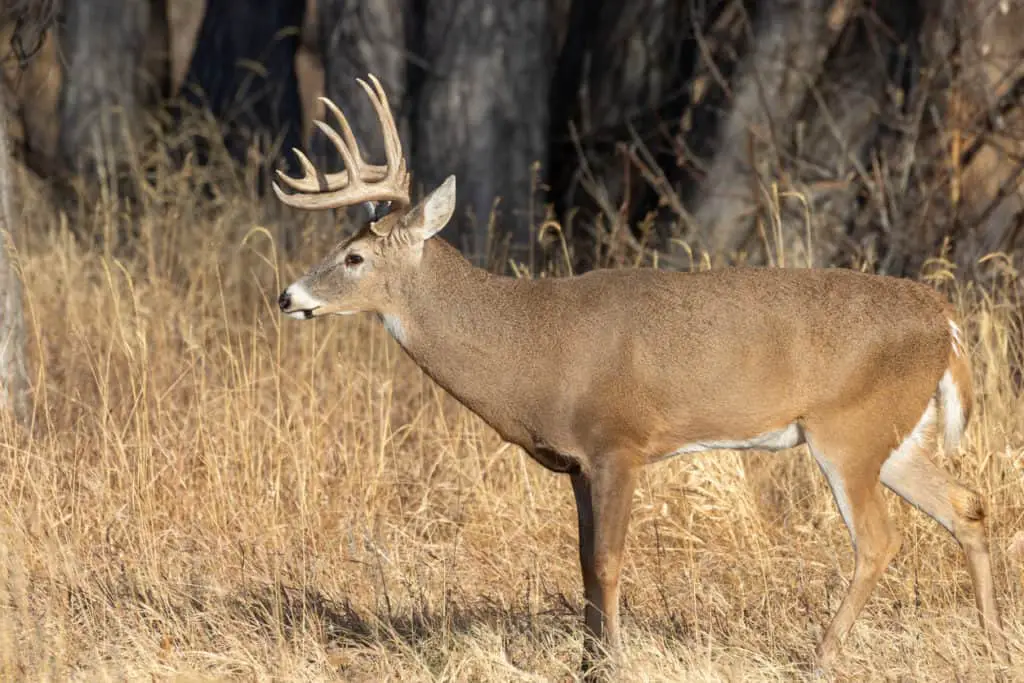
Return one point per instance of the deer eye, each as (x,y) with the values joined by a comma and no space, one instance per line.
(353,259)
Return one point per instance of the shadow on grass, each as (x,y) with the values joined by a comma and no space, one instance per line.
(288,611)
(280,611)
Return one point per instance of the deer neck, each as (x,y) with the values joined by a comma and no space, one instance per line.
(462,326)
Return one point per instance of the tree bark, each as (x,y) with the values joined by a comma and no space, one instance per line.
(14,385)
(481,112)
(620,78)
(790,40)
(114,58)
(358,38)
(991,183)
(243,71)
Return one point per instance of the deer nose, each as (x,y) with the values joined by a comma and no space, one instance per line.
(285,300)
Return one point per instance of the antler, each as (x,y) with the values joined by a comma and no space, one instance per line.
(360,181)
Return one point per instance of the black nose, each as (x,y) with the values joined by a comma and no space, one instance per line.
(285,300)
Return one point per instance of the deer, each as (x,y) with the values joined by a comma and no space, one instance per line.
(598,375)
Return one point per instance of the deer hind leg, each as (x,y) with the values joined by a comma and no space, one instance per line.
(912,474)
(603,501)
(851,466)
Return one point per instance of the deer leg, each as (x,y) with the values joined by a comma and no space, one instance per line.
(912,474)
(855,486)
(603,500)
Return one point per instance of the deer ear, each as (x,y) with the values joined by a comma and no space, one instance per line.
(432,213)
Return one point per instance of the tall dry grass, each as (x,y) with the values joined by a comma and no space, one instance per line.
(209,491)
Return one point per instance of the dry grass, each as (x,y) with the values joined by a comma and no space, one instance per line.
(209,491)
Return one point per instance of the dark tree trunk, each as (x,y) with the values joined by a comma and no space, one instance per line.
(481,112)
(987,117)
(357,38)
(788,39)
(621,78)
(692,113)
(851,118)
(115,66)
(243,71)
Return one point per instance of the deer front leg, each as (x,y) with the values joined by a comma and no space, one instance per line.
(603,500)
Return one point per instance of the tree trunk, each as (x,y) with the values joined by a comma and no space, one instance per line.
(772,80)
(621,78)
(481,112)
(14,386)
(986,114)
(243,71)
(114,54)
(357,38)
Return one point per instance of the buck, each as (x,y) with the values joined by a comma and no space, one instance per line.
(597,375)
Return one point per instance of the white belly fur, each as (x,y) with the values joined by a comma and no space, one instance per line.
(788,437)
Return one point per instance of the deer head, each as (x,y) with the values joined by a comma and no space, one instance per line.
(363,272)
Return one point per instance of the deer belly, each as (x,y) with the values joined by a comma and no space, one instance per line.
(780,439)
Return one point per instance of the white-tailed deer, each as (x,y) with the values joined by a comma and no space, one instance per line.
(598,375)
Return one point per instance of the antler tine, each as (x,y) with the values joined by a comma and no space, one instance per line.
(392,141)
(359,181)
(333,181)
(308,182)
(350,156)
(346,130)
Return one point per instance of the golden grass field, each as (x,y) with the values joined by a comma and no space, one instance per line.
(209,491)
